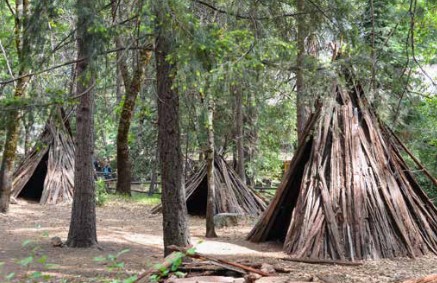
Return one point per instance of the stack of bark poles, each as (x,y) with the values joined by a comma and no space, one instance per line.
(349,194)
(232,195)
(54,149)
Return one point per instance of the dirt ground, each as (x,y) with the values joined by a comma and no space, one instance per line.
(127,225)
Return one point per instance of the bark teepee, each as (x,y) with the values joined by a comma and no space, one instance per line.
(348,193)
(46,174)
(232,195)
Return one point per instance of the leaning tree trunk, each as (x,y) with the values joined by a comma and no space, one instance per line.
(210,204)
(174,208)
(124,168)
(82,233)
(12,127)
(132,85)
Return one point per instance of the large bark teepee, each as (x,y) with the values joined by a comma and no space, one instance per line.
(348,193)
(232,195)
(46,174)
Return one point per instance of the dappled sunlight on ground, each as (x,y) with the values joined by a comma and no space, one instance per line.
(128,225)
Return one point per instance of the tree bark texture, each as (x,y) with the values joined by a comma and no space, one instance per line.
(12,119)
(303,109)
(174,208)
(210,204)
(82,233)
(239,134)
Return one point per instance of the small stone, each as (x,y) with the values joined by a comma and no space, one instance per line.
(267,268)
(251,277)
(56,242)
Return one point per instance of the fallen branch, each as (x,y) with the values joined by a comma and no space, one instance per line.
(427,279)
(166,264)
(221,261)
(323,261)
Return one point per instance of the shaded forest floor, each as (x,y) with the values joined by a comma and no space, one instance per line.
(129,225)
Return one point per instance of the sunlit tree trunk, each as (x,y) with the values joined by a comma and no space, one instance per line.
(210,205)
(174,208)
(82,233)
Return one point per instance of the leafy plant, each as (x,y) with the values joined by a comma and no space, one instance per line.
(101,193)
(175,263)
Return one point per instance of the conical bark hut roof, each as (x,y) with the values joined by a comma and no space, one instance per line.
(348,193)
(232,195)
(47,172)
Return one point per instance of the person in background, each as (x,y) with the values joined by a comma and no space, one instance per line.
(107,171)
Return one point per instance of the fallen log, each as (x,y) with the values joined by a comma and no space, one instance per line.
(323,261)
(218,260)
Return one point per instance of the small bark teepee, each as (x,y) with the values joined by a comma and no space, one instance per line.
(46,174)
(231,195)
(348,193)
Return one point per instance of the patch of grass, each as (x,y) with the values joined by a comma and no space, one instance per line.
(137,198)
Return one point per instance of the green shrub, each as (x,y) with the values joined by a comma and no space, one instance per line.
(101,193)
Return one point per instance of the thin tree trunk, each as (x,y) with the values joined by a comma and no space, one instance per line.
(303,110)
(82,233)
(152,187)
(239,135)
(27,125)
(210,205)
(251,136)
(12,119)
(174,208)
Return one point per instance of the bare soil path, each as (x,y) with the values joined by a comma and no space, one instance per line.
(128,225)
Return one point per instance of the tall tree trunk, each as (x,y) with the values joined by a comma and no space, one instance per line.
(12,121)
(210,205)
(303,109)
(174,208)
(132,86)
(239,134)
(82,233)
(124,168)
(10,149)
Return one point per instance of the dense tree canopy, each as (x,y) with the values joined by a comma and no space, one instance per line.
(250,57)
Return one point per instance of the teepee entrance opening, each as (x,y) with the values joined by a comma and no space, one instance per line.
(278,230)
(33,189)
(196,204)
